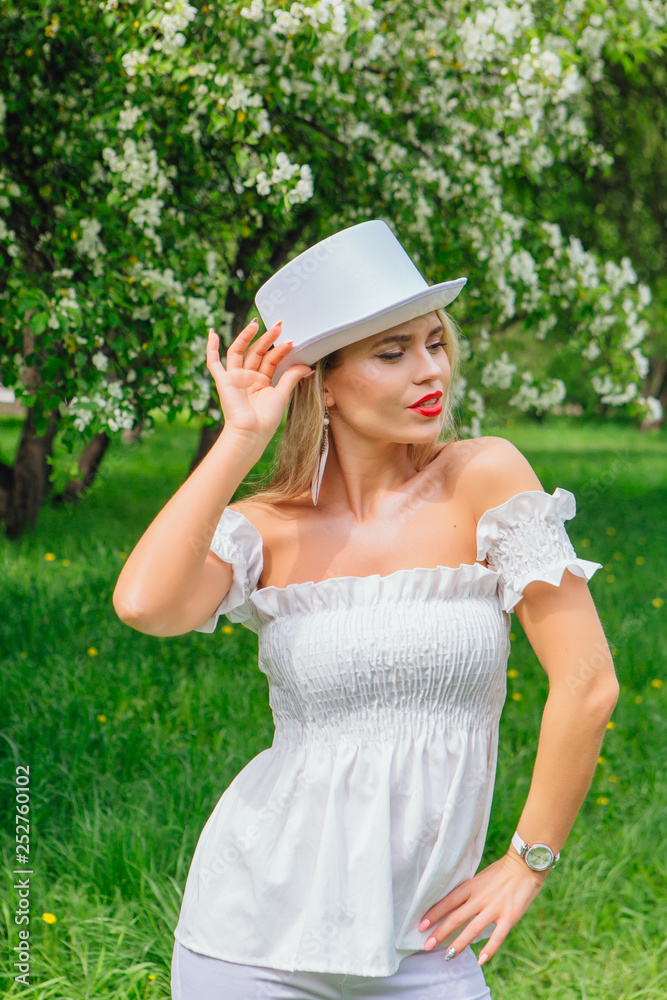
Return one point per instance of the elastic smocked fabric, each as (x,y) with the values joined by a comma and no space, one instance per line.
(373,800)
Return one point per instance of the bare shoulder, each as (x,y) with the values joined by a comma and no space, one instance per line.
(266,517)
(491,470)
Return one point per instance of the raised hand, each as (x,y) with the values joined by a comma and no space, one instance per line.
(251,406)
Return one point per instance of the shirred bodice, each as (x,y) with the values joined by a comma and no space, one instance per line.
(373,800)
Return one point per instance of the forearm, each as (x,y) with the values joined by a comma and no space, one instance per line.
(571,735)
(163,569)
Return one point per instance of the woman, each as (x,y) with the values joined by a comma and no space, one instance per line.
(379,570)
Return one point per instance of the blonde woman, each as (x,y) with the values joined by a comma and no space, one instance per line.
(378,569)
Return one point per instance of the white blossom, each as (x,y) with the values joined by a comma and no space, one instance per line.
(499,372)
(128,117)
(641,362)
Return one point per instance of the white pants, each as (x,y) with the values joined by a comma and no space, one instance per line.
(422,976)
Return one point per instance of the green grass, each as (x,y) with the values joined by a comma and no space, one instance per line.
(131,739)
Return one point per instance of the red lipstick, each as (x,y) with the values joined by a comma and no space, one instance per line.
(433,405)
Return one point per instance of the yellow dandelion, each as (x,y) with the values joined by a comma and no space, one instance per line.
(431,53)
(640,560)
(227,629)
(49,556)
(638,699)
(240,115)
(65,562)
(614,780)
(101,718)
(512,636)
(123,555)
(92,651)
(602,800)
(611,578)
(611,725)
(512,673)
(656,683)
(600,760)
(49,918)
(517,696)
(657,602)
(610,530)
(29,52)
(74,235)
(585,543)
(136,24)
(618,555)
(151,976)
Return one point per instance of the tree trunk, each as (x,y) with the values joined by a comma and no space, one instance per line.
(89,463)
(6,486)
(209,435)
(30,476)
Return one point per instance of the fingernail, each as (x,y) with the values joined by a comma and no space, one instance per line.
(210,330)
(279,323)
(450,954)
(424,924)
(482,958)
(430,943)
(253,320)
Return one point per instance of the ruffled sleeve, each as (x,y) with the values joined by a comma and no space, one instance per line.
(238,542)
(524,539)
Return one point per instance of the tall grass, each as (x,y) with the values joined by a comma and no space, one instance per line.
(131,739)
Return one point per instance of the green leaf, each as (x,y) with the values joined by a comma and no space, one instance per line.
(39,322)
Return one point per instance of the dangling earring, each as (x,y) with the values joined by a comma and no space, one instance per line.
(324,451)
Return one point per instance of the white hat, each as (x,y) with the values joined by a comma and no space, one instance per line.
(350,286)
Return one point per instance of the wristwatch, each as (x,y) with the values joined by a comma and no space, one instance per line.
(539,857)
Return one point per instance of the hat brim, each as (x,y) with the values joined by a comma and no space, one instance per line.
(319,345)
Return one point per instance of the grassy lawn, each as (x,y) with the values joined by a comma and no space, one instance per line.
(131,739)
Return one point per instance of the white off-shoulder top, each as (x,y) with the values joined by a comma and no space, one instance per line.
(373,801)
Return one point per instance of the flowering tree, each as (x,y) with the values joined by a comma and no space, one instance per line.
(160,161)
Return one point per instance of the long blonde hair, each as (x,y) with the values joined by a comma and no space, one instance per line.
(297,455)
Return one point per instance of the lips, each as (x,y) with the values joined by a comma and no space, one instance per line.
(427,401)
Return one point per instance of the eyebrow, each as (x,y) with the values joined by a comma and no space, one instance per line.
(402,338)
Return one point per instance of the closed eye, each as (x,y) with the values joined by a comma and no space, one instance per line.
(399,354)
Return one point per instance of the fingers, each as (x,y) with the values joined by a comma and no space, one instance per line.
(289,379)
(493,944)
(213,361)
(455,898)
(241,354)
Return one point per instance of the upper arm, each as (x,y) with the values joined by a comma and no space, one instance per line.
(213,584)
(560,622)
(564,629)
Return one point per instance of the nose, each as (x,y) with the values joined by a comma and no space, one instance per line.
(430,366)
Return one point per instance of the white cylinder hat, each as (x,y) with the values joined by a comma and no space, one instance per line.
(352,285)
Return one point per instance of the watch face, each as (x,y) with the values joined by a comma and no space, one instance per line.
(539,857)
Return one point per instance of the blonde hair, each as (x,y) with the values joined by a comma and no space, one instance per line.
(296,458)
